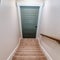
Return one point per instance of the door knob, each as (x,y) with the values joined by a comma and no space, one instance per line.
(35,26)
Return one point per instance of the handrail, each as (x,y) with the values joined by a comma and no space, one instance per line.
(55,39)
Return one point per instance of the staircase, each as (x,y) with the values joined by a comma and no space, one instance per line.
(29,50)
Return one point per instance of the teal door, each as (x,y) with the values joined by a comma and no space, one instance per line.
(29,19)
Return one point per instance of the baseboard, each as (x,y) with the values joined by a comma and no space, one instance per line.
(12,54)
(45,52)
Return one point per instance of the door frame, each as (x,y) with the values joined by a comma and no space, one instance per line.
(19,16)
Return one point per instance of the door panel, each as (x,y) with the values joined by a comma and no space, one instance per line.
(29,18)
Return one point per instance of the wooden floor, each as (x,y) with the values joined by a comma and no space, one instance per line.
(29,50)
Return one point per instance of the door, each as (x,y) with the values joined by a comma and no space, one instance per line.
(29,19)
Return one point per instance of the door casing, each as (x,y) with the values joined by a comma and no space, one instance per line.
(19,16)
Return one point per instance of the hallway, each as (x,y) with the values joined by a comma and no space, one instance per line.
(46,31)
(29,49)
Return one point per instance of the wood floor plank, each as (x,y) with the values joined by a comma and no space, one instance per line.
(29,50)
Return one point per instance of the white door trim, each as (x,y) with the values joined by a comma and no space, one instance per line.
(19,15)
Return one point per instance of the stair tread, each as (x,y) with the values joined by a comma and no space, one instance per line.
(29,49)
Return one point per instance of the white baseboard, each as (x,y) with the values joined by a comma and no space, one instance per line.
(45,52)
(12,54)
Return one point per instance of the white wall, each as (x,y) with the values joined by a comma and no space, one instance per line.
(9,31)
(50,25)
(51,18)
(52,48)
